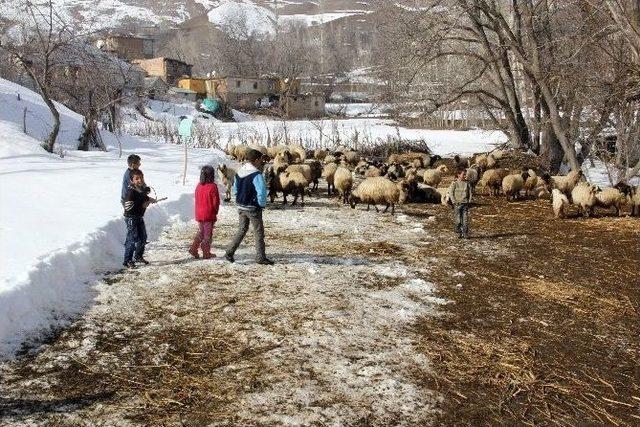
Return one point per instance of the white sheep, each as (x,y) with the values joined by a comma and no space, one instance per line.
(566,183)
(304,169)
(378,190)
(473,176)
(228,178)
(343,182)
(635,201)
(491,161)
(512,184)
(328,173)
(298,152)
(584,196)
(293,183)
(560,203)
(320,154)
(433,177)
(481,161)
(492,179)
(610,197)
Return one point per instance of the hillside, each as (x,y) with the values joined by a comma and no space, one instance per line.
(141,14)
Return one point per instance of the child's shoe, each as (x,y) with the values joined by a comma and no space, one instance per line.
(193,250)
(142,260)
(229,257)
(129,264)
(265,261)
(206,254)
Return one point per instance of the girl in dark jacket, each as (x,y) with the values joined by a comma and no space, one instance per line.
(207,204)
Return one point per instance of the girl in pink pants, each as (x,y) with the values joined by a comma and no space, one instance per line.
(207,206)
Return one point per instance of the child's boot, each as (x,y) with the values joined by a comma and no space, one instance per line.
(206,252)
(193,250)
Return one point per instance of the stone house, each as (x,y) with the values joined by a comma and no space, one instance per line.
(168,69)
(127,47)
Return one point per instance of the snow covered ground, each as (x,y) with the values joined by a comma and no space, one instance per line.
(60,215)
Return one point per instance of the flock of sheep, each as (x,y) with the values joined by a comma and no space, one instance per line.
(414,177)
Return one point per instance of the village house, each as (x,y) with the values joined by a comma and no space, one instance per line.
(169,70)
(242,92)
(195,84)
(127,47)
(299,106)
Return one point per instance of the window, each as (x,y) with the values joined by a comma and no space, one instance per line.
(255,85)
(238,83)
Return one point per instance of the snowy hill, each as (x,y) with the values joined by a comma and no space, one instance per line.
(261,15)
(60,217)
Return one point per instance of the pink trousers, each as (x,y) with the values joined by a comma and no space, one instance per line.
(202,238)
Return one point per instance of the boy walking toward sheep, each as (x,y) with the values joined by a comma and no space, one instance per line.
(460,196)
(251,198)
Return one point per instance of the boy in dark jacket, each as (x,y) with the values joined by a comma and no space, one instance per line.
(207,206)
(135,205)
(251,198)
(460,196)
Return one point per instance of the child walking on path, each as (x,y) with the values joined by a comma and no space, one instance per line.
(207,206)
(251,198)
(135,205)
(460,196)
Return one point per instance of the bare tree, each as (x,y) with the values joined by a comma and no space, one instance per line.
(36,46)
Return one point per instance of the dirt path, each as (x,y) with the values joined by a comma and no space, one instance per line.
(366,319)
(323,337)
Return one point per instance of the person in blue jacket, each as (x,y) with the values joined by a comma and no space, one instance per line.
(251,198)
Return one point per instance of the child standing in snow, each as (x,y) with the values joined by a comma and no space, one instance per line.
(135,205)
(460,196)
(207,205)
(133,161)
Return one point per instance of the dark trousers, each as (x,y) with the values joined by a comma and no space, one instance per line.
(136,238)
(461,212)
(255,219)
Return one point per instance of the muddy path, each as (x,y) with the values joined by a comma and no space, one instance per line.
(366,319)
(323,337)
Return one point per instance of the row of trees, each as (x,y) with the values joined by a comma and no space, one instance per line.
(550,73)
(62,65)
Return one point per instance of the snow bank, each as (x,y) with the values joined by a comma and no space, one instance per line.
(60,214)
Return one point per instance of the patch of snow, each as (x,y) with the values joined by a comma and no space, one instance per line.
(60,217)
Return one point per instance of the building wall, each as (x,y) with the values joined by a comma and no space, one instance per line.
(303,106)
(130,47)
(196,85)
(167,69)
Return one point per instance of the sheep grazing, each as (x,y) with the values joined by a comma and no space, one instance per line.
(395,171)
(293,183)
(512,184)
(473,176)
(228,178)
(491,161)
(320,154)
(241,151)
(492,179)
(351,157)
(423,158)
(566,183)
(531,183)
(421,193)
(304,169)
(433,177)
(378,190)
(560,203)
(444,196)
(635,201)
(343,182)
(298,152)
(328,173)
(330,158)
(481,162)
(584,196)
(316,171)
(498,154)
(610,197)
